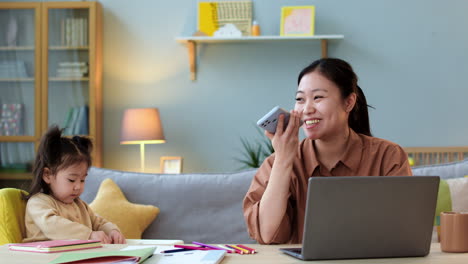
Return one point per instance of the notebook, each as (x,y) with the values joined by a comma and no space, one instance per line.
(368,217)
(114,256)
(53,246)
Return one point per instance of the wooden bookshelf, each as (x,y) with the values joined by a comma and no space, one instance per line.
(42,49)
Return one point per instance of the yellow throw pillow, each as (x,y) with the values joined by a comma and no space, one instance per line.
(111,204)
(12,210)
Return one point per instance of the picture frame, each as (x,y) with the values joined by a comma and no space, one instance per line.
(297,21)
(170,165)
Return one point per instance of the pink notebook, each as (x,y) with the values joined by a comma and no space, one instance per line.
(53,246)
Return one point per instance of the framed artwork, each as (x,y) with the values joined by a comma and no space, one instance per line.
(172,165)
(297,20)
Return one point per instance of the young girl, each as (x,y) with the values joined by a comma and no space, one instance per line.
(54,209)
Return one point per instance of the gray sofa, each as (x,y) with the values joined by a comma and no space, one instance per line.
(194,207)
(204,207)
(445,171)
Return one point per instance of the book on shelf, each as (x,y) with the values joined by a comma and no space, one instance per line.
(115,256)
(74,31)
(53,246)
(77,121)
(81,126)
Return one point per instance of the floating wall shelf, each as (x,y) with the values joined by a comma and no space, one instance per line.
(191,43)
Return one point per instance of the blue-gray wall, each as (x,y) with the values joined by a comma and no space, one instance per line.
(411,57)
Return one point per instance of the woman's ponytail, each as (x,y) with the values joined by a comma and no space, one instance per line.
(359,117)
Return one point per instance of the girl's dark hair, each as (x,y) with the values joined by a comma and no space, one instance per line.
(342,74)
(57,152)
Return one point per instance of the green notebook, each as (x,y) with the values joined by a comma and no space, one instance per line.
(139,255)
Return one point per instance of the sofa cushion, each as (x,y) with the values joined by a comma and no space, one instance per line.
(444,200)
(12,209)
(111,204)
(205,207)
(445,171)
(459,194)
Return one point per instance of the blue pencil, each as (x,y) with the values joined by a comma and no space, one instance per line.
(176,250)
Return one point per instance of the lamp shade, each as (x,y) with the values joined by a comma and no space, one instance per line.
(141,126)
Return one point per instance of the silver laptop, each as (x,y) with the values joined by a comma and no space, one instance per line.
(368,217)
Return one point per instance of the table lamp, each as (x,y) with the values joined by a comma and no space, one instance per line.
(142,126)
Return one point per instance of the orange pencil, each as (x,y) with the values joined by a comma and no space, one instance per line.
(252,251)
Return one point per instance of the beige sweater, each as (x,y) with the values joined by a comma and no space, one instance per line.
(48,219)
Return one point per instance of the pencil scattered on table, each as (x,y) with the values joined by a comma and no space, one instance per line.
(239,249)
(251,250)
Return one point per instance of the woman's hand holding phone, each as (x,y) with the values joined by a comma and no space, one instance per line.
(285,139)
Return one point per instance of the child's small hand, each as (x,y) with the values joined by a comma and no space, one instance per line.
(117,237)
(100,235)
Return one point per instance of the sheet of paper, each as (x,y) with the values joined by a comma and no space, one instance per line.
(139,247)
(192,257)
(167,242)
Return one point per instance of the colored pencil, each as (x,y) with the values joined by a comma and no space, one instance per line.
(176,250)
(235,249)
(191,247)
(226,248)
(252,251)
(209,246)
(241,249)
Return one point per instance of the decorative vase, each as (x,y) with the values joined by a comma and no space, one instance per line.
(12,31)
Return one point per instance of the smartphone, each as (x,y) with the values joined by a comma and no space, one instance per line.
(269,122)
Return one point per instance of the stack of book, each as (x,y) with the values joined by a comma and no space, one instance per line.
(76,69)
(55,245)
(13,69)
(74,31)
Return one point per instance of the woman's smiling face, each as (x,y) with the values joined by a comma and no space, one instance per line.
(324,111)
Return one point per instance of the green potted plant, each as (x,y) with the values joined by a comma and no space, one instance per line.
(254,152)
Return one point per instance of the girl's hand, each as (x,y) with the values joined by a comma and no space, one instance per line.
(100,235)
(286,141)
(117,237)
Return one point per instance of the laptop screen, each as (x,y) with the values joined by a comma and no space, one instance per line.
(369,217)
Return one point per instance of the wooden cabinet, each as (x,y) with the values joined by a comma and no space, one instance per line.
(50,73)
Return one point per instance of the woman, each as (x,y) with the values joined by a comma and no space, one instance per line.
(338,142)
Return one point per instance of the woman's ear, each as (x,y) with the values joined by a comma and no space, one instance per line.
(46,175)
(350,102)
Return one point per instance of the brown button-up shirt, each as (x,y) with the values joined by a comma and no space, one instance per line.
(364,156)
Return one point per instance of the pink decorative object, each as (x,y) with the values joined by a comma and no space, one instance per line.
(10,119)
(297,20)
